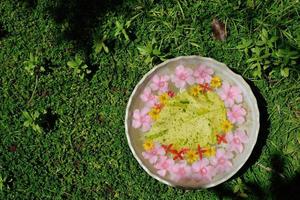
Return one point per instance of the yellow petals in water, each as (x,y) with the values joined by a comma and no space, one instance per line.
(227,126)
(163,98)
(210,151)
(195,90)
(215,82)
(191,156)
(148,145)
(154,113)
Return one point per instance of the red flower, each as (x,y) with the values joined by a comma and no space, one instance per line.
(171,93)
(205,87)
(221,138)
(179,154)
(167,148)
(158,106)
(200,151)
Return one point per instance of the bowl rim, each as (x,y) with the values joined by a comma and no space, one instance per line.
(238,77)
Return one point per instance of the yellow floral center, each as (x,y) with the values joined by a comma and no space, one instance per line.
(195,90)
(210,151)
(163,98)
(148,145)
(216,82)
(227,126)
(191,156)
(154,113)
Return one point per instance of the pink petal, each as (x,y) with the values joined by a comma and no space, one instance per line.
(144,111)
(239,98)
(225,87)
(155,79)
(154,86)
(136,123)
(165,78)
(240,148)
(153,159)
(136,114)
(146,155)
(162,172)
(146,127)
(240,120)
(196,166)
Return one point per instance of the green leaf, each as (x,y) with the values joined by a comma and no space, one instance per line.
(156,52)
(290,148)
(285,72)
(37,128)
(27,123)
(78,59)
(257,72)
(26,115)
(72,64)
(36,114)
(148,59)
(1,183)
(236,188)
(98,47)
(143,51)
(106,50)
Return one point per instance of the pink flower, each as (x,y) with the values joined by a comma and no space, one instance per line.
(221,161)
(160,83)
(203,74)
(163,165)
(141,119)
(236,114)
(183,76)
(230,94)
(203,170)
(149,98)
(180,171)
(236,141)
(154,153)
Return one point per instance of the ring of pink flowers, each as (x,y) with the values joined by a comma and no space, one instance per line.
(202,169)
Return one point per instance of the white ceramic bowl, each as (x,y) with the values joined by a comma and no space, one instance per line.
(251,125)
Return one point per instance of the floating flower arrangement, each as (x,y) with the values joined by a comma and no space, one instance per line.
(190,124)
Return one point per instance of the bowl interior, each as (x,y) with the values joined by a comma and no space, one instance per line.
(251,125)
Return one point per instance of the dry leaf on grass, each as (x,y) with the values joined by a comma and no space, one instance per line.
(219,30)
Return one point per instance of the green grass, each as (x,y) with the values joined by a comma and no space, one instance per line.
(81,151)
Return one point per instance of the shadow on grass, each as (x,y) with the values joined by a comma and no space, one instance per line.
(263,130)
(81,17)
(281,187)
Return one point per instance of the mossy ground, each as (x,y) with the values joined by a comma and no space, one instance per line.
(82,152)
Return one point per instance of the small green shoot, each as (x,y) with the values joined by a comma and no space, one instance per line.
(240,188)
(99,45)
(121,29)
(263,55)
(31,121)
(150,51)
(79,67)
(32,65)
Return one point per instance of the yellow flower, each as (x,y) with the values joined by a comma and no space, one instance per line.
(227,126)
(148,145)
(163,98)
(154,113)
(215,82)
(195,90)
(210,151)
(191,156)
